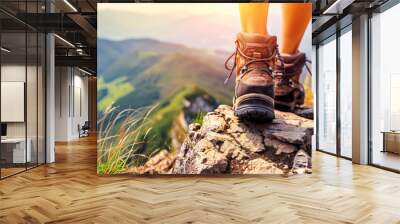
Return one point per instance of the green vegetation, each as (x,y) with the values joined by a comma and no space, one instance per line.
(131,64)
(178,70)
(121,139)
(115,90)
(163,117)
(146,93)
(199,117)
(130,137)
(136,75)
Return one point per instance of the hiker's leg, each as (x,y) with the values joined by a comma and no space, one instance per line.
(296,17)
(253,17)
(254,88)
(289,91)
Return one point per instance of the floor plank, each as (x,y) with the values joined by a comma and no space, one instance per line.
(69,191)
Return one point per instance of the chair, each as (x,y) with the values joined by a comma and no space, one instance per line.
(84,130)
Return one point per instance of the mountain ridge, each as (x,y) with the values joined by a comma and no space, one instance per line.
(157,69)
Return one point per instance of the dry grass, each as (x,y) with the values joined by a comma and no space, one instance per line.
(121,139)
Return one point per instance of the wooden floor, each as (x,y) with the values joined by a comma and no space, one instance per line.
(5,172)
(69,191)
(387,159)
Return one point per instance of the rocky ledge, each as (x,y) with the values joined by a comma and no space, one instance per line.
(161,163)
(224,144)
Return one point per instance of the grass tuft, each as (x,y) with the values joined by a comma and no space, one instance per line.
(199,117)
(122,138)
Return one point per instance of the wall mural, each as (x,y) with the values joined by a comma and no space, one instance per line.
(205,88)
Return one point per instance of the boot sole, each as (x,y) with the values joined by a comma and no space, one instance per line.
(254,106)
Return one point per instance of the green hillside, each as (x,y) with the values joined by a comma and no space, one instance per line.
(131,65)
(142,73)
(128,52)
(177,70)
(157,70)
(114,90)
(165,116)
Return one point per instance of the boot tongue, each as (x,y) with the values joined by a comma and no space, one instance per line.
(257,53)
(256,45)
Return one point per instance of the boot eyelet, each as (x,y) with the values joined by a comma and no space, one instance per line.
(243,70)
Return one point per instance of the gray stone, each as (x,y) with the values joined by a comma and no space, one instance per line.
(225,144)
(301,162)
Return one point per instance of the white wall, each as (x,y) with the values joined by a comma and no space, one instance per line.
(33,126)
(14,73)
(62,81)
(80,110)
(71,102)
(17,73)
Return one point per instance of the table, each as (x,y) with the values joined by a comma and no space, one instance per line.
(391,141)
(13,150)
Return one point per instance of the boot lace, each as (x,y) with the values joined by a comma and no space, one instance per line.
(307,66)
(245,68)
(284,78)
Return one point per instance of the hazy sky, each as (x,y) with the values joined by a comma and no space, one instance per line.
(202,25)
(176,8)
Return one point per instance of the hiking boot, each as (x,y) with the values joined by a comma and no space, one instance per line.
(254,89)
(289,91)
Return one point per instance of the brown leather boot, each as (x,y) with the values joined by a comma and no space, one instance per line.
(289,91)
(254,90)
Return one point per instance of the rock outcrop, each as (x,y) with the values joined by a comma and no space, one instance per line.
(226,144)
(160,163)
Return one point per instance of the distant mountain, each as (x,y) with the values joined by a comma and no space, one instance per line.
(128,53)
(156,70)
